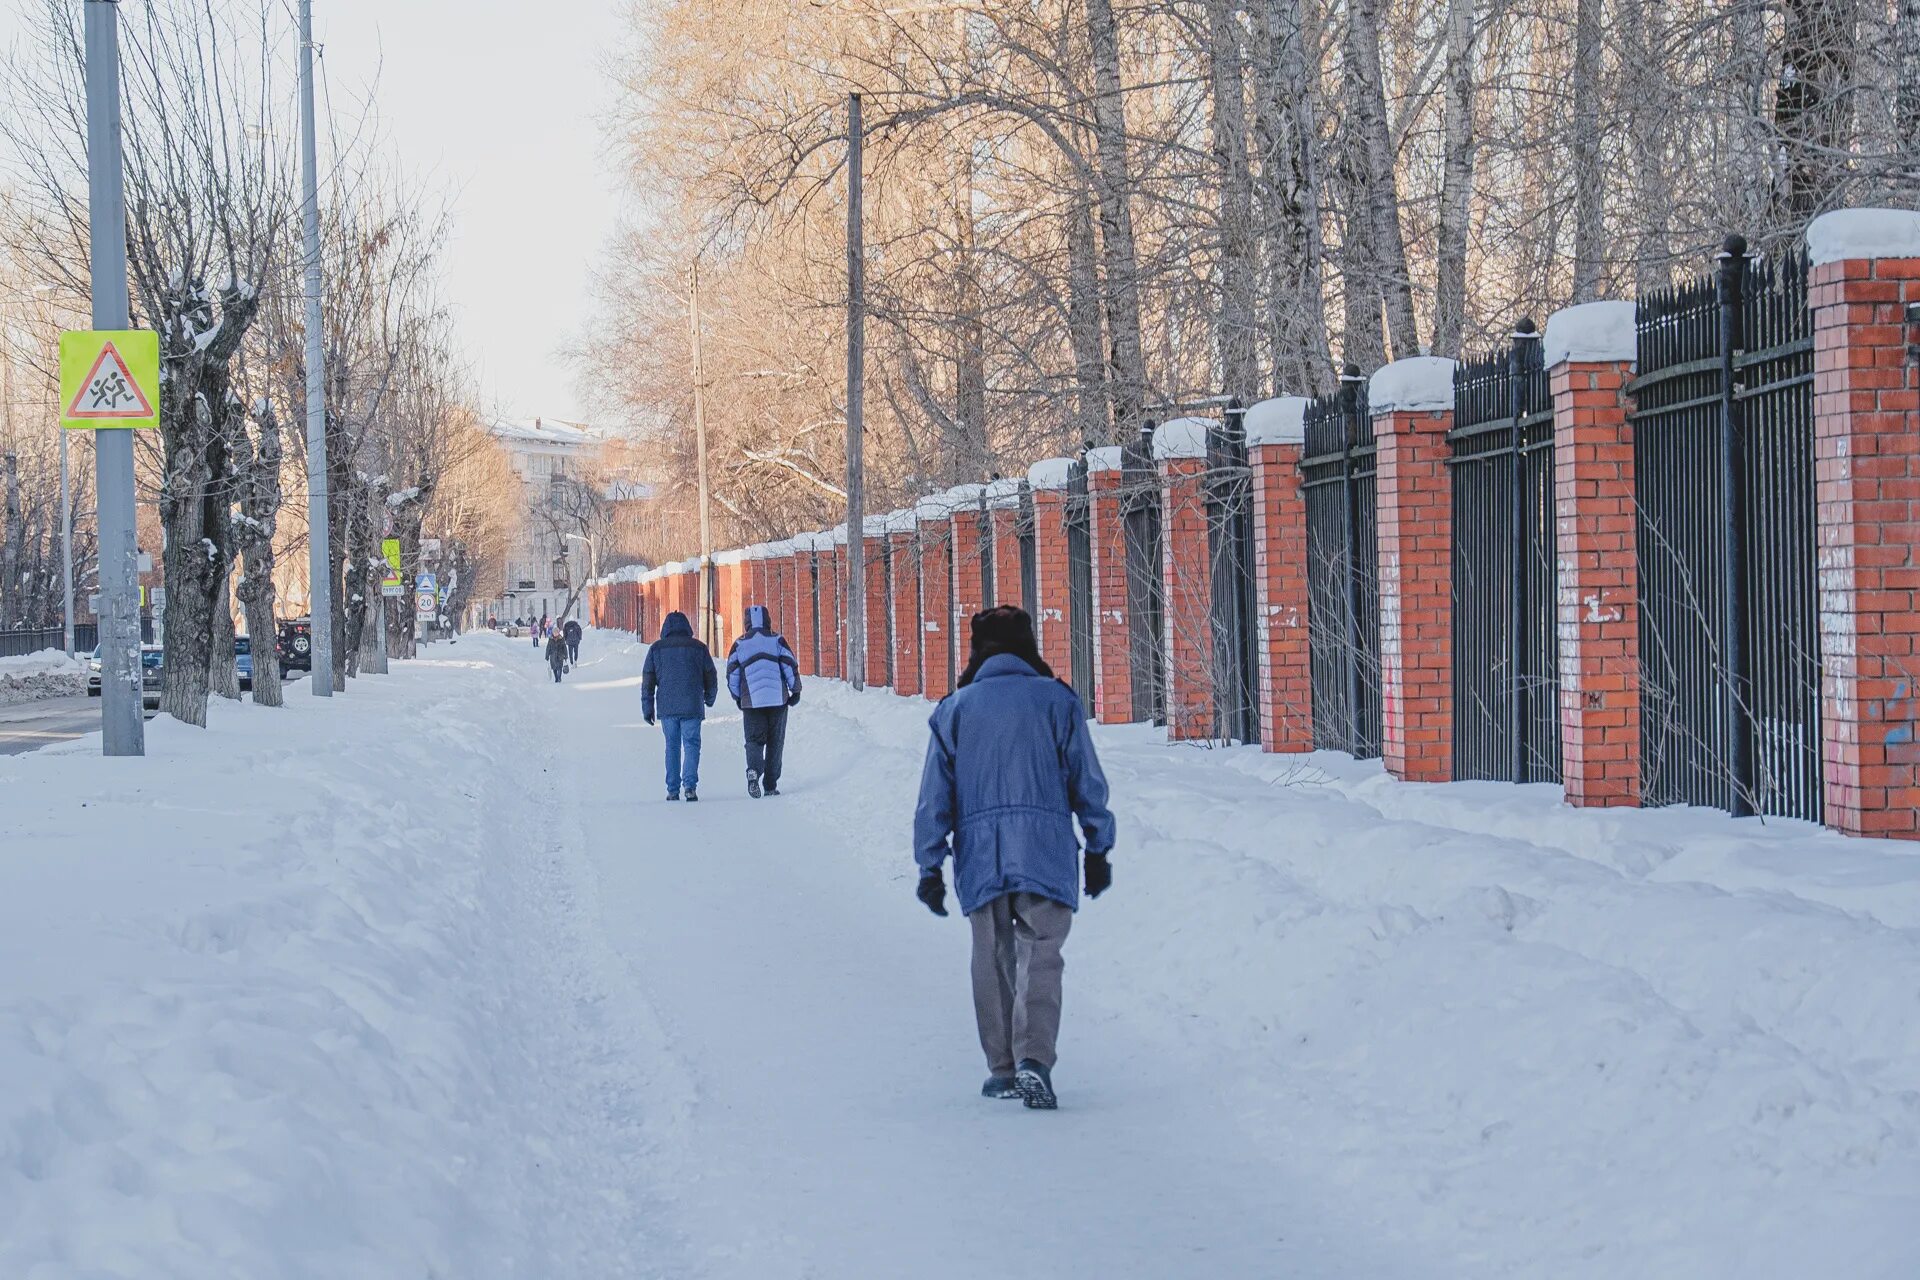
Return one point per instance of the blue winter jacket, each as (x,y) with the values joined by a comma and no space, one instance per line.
(1009,767)
(761,670)
(679,675)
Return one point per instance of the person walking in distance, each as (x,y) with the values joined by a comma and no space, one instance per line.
(572,633)
(1010,767)
(557,655)
(678,684)
(764,678)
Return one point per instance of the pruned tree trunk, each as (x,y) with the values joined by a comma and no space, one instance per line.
(1113,184)
(223,666)
(1363,340)
(1813,112)
(1456,183)
(1907,90)
(1236,331)
(12,595)
(1092,413)
(1287,135)
(258,469)
(1589,184)
(223,670)
(1367,120)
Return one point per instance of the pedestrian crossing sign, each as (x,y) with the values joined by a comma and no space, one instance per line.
(109,378)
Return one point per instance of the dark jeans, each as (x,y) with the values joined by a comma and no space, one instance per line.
(573,652)
(766,730)
(557,663)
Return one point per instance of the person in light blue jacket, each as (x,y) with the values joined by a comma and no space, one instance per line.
(764,678)
(1010,767)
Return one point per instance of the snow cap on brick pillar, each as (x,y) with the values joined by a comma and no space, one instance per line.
(938,659)
(1112,663)
(1186,569)
(1412,406)
(903,567)
(1276,434)
(1864,291)
(1003,496)
(1588,352)
(1052,598)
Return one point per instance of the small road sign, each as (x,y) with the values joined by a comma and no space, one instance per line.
(392,584)
(109,379)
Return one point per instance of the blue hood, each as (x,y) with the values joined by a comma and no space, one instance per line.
(758,619)
(676,625)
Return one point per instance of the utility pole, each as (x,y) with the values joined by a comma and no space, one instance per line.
(704,601)
(122,696)
(319,537)
(856,399)
(66,547)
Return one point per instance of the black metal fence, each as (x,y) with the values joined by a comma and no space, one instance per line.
(18,643)
(1026,534)
(1079,521)
(1140,513)
(1725,532)
(1506,669)
(886,604)
(1343,556)
(1236,669)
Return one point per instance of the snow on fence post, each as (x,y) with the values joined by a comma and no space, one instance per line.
(1276,437)
(1186,564)
(1052,594)
(903,564)
(1588,352)
(938,659)
(1111,654)
(1864,291)
(873,599)
(1412,406)
(1003,527)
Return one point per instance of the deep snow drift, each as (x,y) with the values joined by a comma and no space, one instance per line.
(430,982)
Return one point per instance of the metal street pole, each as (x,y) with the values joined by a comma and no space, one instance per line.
(856,399)
(66,547)
(123,730)
(704,601)
(319,538)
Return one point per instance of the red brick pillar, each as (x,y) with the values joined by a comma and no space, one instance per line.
(1003,524)
(970,534)
(1865,274)
(874,600)
(756,566)
(1412,404)
(1048,480)
(1276,434)
(1589,354)
(829,557)
(1110,651)
(906,602)
(806,606)
(939,660)
(1186,566)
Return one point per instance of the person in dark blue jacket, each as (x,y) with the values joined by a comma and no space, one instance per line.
(764,678)
(1010,767)
(679,684)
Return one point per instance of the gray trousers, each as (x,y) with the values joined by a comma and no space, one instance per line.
(1016,978)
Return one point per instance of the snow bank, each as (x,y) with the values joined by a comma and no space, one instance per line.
(1863,233)
(1181,438)
(1418,384)
(1278,421)
(49,673)
(298,995)
(1592,331)
(1050,473)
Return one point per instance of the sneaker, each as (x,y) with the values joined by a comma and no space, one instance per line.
(1035,1084)
(753,784)
(691,797)
(1000,1087)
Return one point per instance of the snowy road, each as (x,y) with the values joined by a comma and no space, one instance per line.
(430,981)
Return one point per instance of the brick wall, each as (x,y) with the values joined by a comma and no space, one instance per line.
(970,534)
(805,613)
(1187,580)
(874,551)
(1867,451)
(936,610)
(906,613)
(1597,608)
(1110,655)
(1416,595)
(831,571)
(1280,574)
(1005,523)
(1050,619)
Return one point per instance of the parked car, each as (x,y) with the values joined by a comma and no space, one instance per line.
(294,645)
(152,675)
(243,661)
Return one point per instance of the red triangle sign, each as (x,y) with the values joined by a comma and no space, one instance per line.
(109,377)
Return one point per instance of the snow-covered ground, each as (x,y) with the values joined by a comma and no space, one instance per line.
(430,982)
(49,673)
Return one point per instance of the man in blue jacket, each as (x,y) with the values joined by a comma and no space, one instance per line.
(679,683)
(764,678)
(1010,766)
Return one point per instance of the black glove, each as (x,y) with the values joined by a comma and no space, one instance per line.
(648,719)
(793,699)
(1099,874)
(933,891)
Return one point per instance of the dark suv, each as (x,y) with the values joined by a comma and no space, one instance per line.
(294,645)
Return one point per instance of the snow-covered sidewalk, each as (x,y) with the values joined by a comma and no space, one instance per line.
(432,982)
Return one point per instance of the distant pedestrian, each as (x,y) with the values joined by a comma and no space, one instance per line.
(679,683)
(764,678)
(1009,767)
(572,633)
(557,655)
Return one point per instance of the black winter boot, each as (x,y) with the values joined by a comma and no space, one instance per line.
(1035,1084)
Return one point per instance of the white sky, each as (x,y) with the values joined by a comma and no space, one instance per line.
(499,102)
